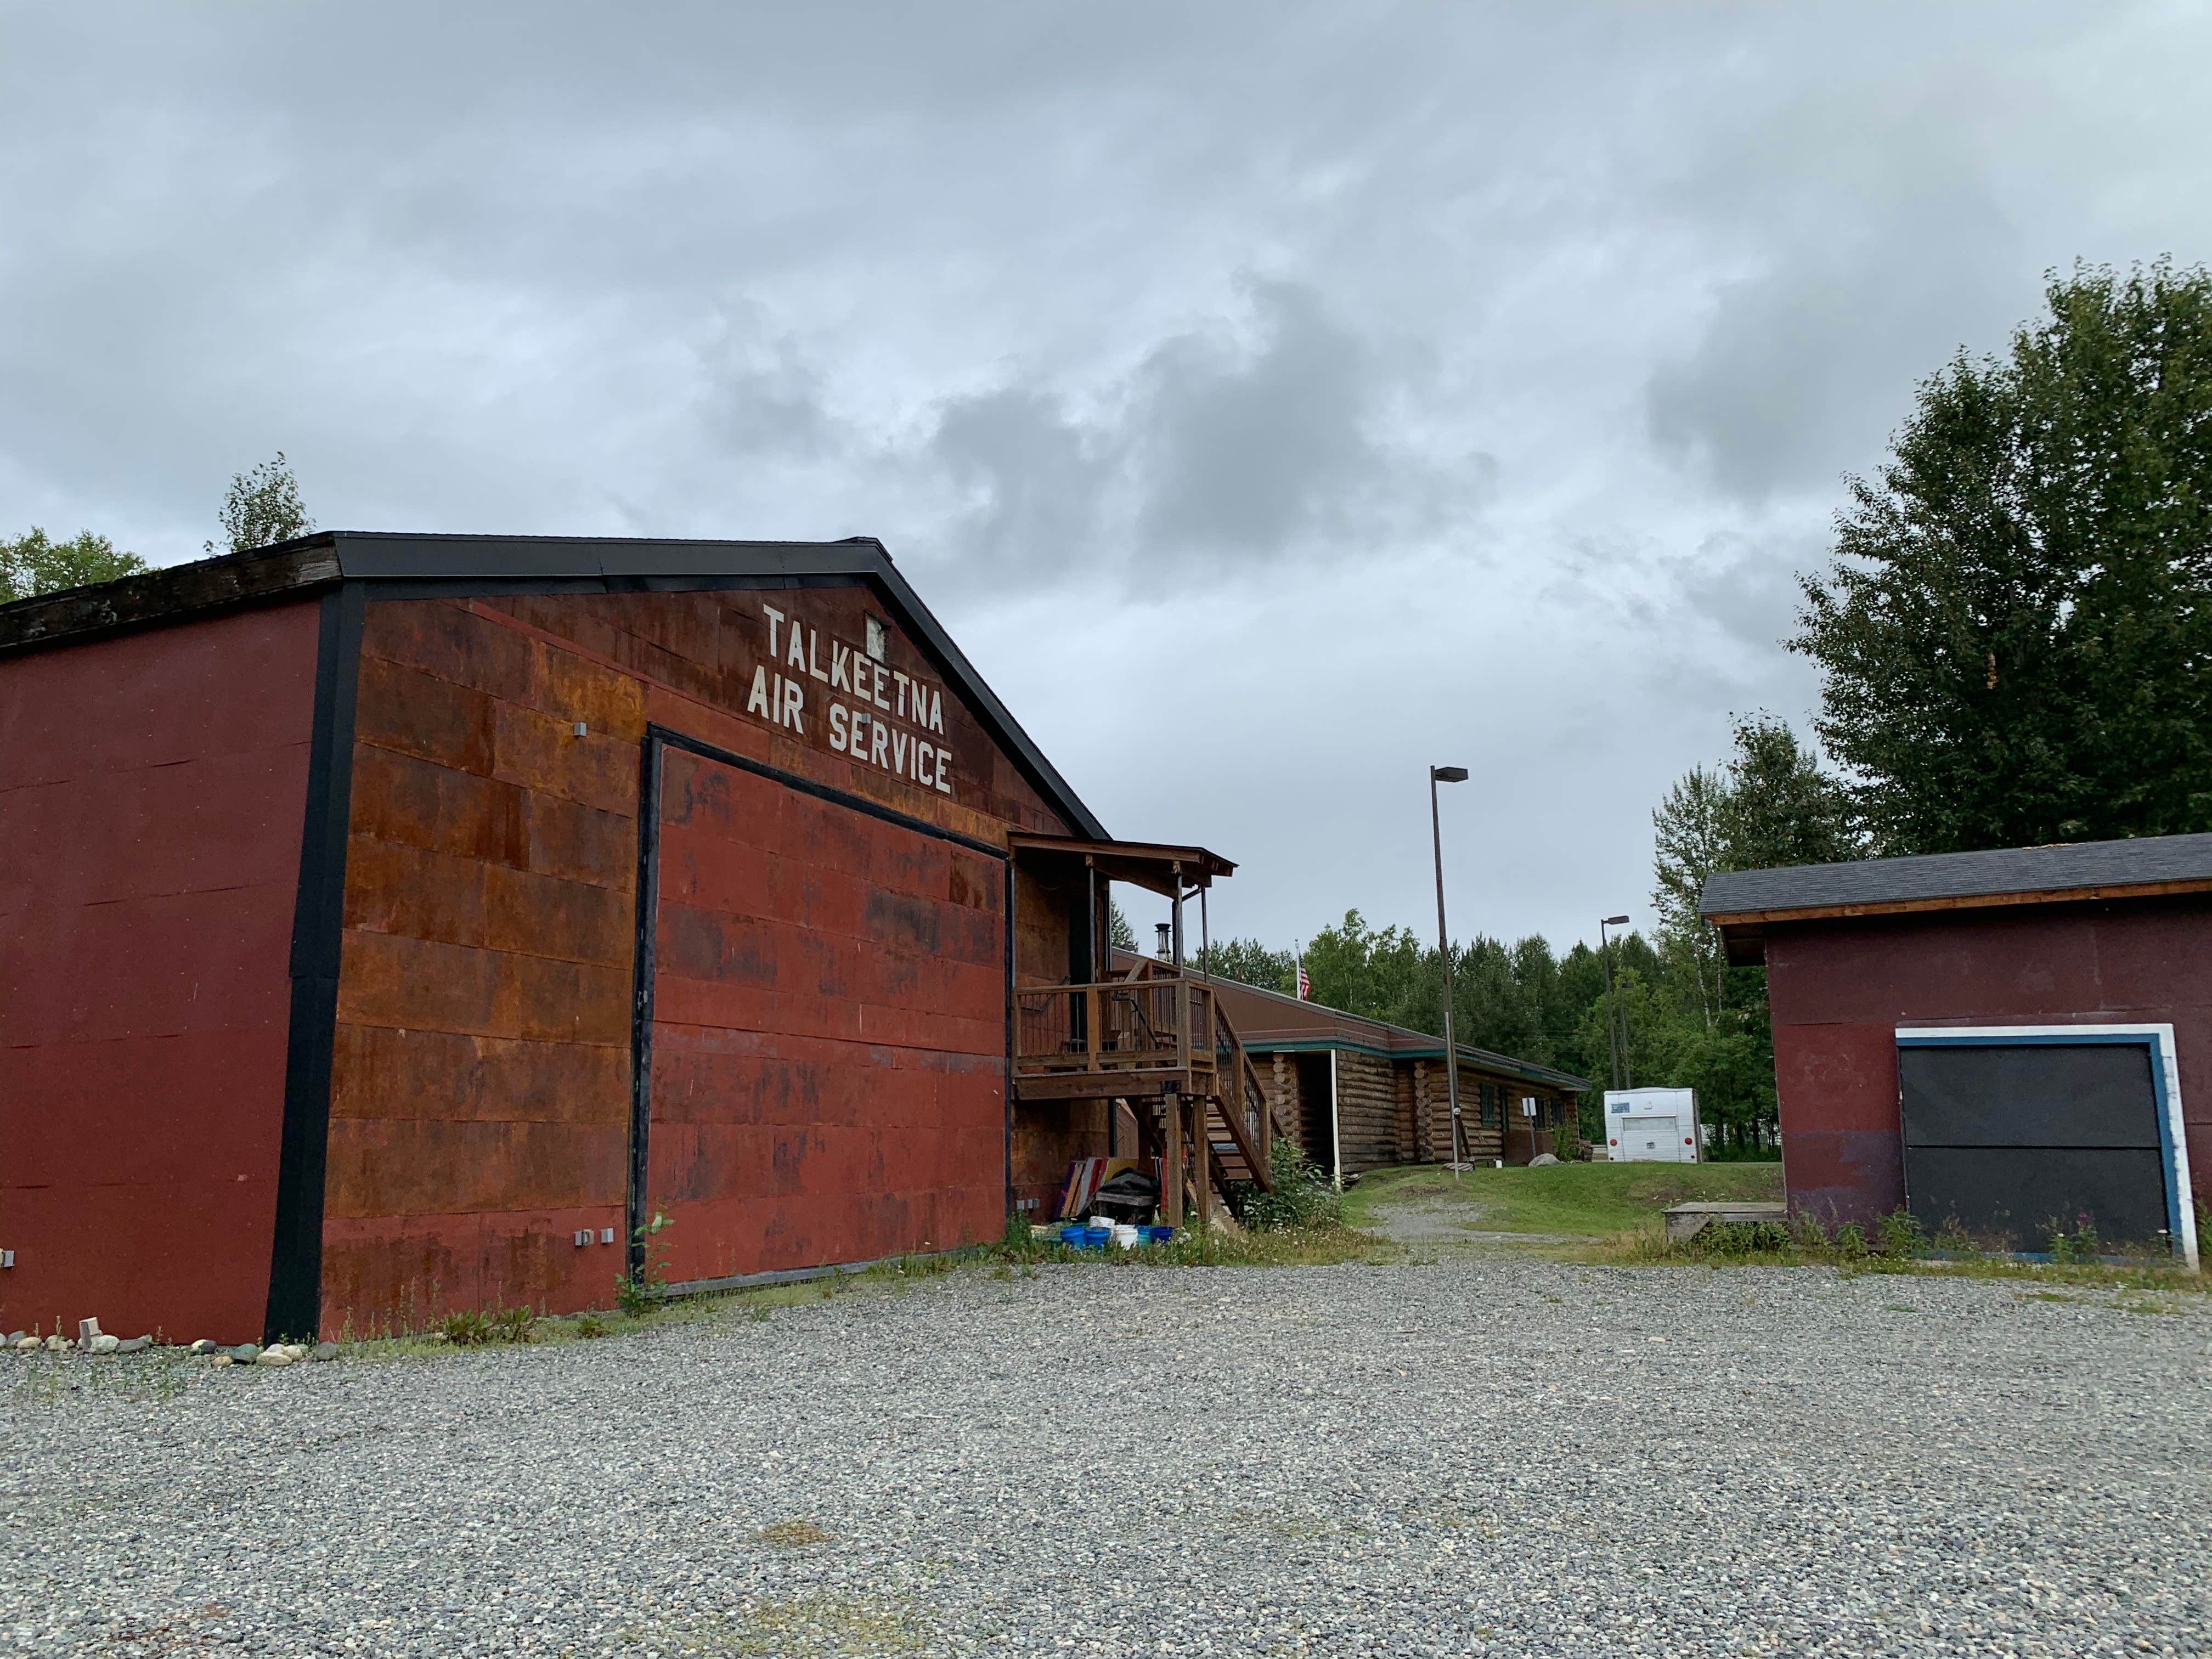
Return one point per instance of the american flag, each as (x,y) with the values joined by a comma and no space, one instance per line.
(1305,984)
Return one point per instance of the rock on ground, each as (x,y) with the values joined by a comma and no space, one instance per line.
(1474,1457)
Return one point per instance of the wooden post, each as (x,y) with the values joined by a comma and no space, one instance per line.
(1171,1157)
(1090,1024)
(1201,1162)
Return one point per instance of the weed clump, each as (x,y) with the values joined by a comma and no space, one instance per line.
(473,1328)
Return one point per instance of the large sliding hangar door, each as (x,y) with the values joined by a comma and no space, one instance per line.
(823,1033)
(2014,1134)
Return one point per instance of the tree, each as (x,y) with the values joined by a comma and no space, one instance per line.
(2015,634)
(1687,837)
(262,507)
(35,563)
(1123,936)
(1694,1022)
(1249,962)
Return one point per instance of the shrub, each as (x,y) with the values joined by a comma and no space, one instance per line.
(1851,1241)
(1304,1197)
(1740,1238)
(1900,1234)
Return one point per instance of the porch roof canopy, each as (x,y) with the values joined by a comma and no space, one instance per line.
(1153,865)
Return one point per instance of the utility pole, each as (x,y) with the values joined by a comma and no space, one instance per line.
(1446,775)
(1616,1017)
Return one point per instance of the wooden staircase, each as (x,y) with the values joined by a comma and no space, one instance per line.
(1226,1112)
(1157,1040)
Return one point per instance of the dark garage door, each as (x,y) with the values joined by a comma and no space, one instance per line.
(2009,1138)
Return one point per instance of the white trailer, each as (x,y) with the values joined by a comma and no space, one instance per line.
(1652,1126)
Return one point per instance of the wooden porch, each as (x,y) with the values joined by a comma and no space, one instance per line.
(1154,1038)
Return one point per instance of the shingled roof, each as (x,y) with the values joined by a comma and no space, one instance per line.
(1741,902)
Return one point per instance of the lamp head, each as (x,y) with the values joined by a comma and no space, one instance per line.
(1448,774)
(1614,921)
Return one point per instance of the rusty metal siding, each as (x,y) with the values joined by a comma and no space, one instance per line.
(1839,990)
(480,1093)
(152,790)
(828,1049)
(479,1087)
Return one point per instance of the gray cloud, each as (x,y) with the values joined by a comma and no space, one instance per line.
(1406,383)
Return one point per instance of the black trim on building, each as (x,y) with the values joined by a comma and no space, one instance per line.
(295,1273)
(874,809)
(642,969)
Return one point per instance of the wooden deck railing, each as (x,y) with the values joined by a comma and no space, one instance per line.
(1153,1023)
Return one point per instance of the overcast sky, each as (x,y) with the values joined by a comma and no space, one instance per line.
(1273,399)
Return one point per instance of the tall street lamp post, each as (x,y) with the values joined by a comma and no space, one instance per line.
(1446,775)
(1616,1022)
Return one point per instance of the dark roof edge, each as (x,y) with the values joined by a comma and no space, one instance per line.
(175,592)
(1982,879)
(182,593)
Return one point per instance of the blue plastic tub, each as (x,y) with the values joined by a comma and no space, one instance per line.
(1158,1235)
(1097,1238)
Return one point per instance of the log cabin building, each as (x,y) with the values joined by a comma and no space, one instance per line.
(393,925)
(1364,1093)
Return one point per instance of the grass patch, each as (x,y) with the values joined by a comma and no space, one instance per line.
(1896,1247)
(1585,1201)
(795,1534)
(1323,1244)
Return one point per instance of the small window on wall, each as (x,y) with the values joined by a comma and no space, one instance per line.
(879,638)
(1489,1105)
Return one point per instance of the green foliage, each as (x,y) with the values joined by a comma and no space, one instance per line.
(639,1293)
(1250,962)
(2081,1243)
(2014,637)
(1518,999)
(1694,1022)
(1124,936)
(473,1328)
(35,564)
(262,508)
(1304,1196)
(1900,1234)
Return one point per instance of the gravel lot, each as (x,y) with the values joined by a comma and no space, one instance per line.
(1505,1456)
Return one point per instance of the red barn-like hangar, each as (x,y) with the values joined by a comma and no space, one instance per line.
(397,924)
(2018,1042)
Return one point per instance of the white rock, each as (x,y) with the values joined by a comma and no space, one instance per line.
(222,1359)
(25,1345)
(277,1356)
(55,1344)
(103,1343)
